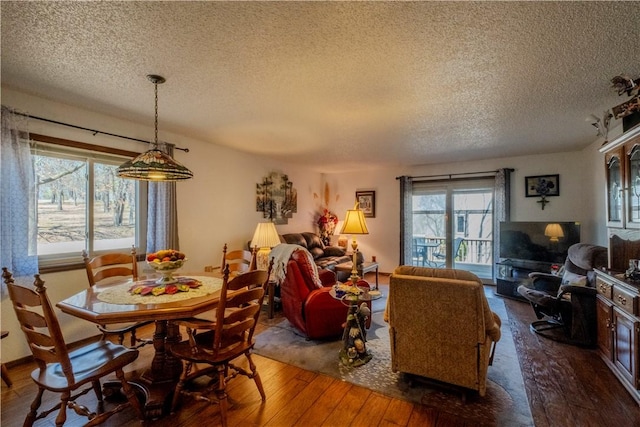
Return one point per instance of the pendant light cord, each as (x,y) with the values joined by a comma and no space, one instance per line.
(155,84)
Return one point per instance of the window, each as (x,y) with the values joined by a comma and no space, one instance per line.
(466,242)
(82,204)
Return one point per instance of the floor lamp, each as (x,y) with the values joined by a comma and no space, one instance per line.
(354,224)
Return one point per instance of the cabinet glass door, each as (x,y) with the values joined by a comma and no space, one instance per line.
(614,190)
(634,188)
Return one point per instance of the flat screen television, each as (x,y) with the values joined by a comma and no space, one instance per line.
(539,242)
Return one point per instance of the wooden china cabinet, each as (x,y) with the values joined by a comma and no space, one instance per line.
(622,160)
(618,298)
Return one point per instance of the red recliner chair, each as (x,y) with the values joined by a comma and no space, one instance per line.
(307,305)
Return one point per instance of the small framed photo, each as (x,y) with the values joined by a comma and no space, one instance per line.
(367,202)
(542,185)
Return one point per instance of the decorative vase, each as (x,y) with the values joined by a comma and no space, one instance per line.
(166,269)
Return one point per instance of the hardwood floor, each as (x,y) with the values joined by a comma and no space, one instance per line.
(566,386)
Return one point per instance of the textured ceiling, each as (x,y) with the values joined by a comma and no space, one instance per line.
(335,84)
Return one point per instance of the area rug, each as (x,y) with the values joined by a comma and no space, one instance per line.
(505,403)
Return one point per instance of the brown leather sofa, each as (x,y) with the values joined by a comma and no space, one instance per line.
(324,256)
(441,326)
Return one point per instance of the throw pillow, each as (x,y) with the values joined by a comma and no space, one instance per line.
(313,240)
(334,251)
(574,279)
(316,252)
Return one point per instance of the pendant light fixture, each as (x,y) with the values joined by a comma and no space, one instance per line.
(154,165)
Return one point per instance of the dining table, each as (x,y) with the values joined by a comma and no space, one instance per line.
(119,302)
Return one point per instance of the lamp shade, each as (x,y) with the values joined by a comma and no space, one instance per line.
(553,231)
(154,165)
(265,236)
(354,222)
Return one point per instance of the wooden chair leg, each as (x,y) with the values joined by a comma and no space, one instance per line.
(180,386)
(131,395)
(221,393)
(62,414)
(97,389)
(256,376)
(33,412)
(5,376)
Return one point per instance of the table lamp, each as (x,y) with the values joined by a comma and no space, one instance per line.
(265,237)
(554,232)
(342,240)
(354,224)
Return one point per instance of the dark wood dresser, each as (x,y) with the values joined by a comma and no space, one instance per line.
(618,308)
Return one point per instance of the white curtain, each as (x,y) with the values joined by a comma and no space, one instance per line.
(162,213)
(18,224)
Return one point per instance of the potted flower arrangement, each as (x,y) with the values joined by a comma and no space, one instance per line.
(327,225)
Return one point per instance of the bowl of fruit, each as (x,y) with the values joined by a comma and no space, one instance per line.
(166,262)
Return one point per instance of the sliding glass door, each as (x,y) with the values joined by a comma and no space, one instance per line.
(452,225)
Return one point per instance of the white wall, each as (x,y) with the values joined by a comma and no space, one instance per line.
(581,188)
(216,206)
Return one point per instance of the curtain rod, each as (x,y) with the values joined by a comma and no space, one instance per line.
(451,175)
(94,131)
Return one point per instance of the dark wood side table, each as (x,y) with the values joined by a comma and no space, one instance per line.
(363,268)
(271,290)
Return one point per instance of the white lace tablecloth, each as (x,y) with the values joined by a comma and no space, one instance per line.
(119,294)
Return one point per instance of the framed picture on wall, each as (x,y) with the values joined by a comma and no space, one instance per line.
(542,185)
(367,202)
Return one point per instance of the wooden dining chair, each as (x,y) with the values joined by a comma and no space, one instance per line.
(5,372)
(239,260)
(61,370)
(103,267)
(217,344)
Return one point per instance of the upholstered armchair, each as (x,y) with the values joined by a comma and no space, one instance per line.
(440,326)
(306,301)
(566,303)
